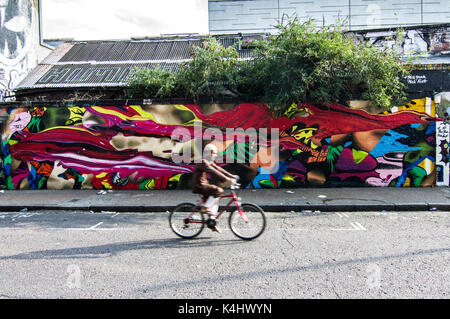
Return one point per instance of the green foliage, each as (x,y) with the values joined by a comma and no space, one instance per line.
(301,63)
(212,72)
(152,83)
(298,64)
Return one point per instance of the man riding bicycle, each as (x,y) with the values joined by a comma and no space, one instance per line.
(209,191)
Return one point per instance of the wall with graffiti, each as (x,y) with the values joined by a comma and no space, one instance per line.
(135,146)
(443,140)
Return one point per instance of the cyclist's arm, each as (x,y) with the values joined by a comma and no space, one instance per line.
(213,171)
(223,171)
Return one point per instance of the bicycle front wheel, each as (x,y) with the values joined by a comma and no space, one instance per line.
(253,227)
(186,221)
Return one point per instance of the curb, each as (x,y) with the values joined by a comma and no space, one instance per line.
(267,208)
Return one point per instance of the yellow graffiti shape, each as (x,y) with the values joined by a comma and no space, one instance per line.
(427,165)
(76,114)
(150,184)
(291,110)
(141,116)
(424,105)
(304,136)
(175,178)
(359,156)
(104,182)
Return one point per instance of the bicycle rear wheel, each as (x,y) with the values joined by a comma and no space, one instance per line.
(250,229)
(186,221)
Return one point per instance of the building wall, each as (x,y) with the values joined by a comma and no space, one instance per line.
(248,16)
(143,146)
(20,49)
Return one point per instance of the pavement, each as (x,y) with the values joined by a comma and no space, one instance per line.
(271,200)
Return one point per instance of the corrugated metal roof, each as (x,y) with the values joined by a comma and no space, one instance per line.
(87,74)
(109,63)
(57,53)
(34,76)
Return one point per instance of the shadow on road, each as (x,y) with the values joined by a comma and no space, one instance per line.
(114,248)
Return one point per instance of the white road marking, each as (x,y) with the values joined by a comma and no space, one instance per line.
(96,225)
(357,226)
(84,229)
(88,229)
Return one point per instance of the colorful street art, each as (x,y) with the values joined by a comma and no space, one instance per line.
(132,146)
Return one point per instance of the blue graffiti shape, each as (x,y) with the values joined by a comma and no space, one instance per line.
(392,141)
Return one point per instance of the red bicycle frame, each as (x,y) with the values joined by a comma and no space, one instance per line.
(233,198)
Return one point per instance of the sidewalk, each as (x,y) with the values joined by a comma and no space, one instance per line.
(276,200)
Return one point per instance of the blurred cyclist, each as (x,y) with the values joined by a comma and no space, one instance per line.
(209,191)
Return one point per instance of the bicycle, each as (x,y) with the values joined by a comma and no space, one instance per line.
(247,222)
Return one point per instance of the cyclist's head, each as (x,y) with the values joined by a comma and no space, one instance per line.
(210,152)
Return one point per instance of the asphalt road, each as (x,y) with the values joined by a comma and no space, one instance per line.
(74,254)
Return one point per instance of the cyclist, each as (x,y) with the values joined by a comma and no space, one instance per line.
(209,191)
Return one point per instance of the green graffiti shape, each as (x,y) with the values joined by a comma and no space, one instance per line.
(333,155)
(416,174)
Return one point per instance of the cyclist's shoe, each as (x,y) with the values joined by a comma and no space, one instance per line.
(212,224)
(216,229)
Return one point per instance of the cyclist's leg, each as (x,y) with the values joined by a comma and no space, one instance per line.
(213,193)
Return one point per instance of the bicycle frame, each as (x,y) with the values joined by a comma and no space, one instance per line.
(233,199)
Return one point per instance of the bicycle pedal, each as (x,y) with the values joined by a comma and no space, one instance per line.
(211,222)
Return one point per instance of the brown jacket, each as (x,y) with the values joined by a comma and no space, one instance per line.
(200,177)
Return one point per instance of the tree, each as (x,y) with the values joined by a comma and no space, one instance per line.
(212,72)
(152,83)
(303,64)
(300,63)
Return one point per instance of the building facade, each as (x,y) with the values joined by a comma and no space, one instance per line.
(76,144)
(21,48)
(249,16)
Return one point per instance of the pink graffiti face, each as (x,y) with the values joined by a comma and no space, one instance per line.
(390,166)
(20,121)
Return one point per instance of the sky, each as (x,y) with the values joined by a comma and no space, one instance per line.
(122,19)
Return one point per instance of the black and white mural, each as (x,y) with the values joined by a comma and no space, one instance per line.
(18,40)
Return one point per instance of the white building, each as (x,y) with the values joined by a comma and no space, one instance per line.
(260,16)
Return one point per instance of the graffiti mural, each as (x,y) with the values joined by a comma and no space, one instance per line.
(443,139)
(19,40)
(133,146)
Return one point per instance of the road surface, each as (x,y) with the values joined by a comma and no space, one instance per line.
(76,254)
